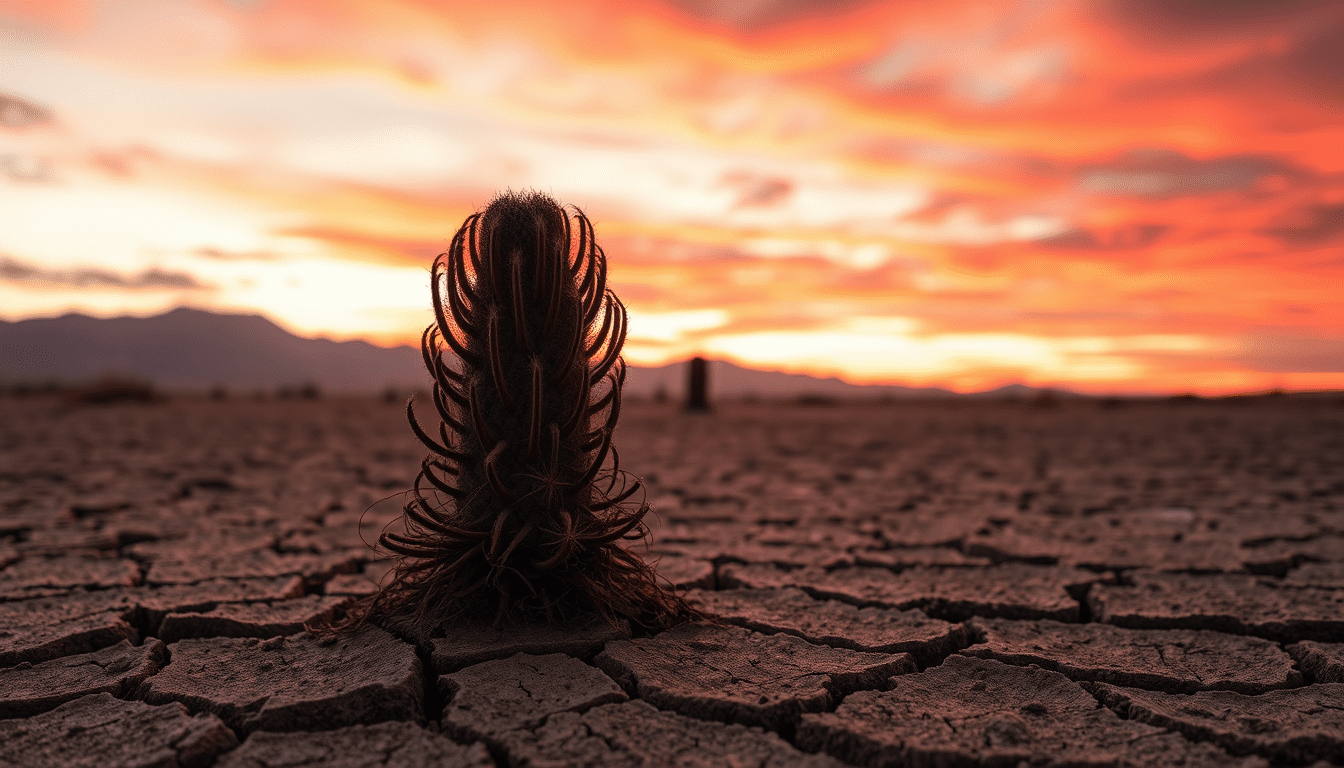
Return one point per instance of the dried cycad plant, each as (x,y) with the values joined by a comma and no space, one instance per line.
(521,509)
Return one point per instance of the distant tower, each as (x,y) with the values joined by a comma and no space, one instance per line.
(698,387)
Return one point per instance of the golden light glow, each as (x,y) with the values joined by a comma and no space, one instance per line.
(1117,196)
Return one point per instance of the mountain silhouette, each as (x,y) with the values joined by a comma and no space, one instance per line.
(195,350)
(191,349)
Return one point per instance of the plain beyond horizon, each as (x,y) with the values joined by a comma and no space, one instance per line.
(192,351)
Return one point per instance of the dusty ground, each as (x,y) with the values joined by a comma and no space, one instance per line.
(958,584)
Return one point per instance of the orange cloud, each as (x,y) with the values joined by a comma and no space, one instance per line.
(1110,195)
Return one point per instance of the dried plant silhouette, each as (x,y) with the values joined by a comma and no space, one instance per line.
(521,508)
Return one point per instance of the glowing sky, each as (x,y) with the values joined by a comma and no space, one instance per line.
(1107,195)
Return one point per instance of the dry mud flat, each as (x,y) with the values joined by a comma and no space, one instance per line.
(956,584)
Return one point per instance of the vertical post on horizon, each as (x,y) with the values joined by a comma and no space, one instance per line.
(697,389)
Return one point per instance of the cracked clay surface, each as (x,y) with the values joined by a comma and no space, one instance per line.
(964,583)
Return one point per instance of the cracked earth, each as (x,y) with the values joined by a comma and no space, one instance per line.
(955,584)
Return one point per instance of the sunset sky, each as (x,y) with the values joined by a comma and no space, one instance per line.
(1125,196)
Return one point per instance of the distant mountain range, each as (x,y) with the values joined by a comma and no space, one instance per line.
(195,350)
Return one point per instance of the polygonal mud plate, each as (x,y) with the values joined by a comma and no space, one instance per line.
(402,745)
(1296,726)
(489,699)
(636,734)
(739,676)
(1225,602)
(102,730)
(831,622)
(298,683)
(982,712)
(1172,660)
(28,689)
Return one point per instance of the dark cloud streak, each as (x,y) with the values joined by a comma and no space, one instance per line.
(14,271)
(753,15)
(1311,225)
(755,190)
(21,113)
(1165,173)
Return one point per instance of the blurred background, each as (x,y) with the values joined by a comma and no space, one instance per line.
(1105,196)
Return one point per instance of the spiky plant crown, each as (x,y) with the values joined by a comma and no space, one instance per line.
(516,510)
